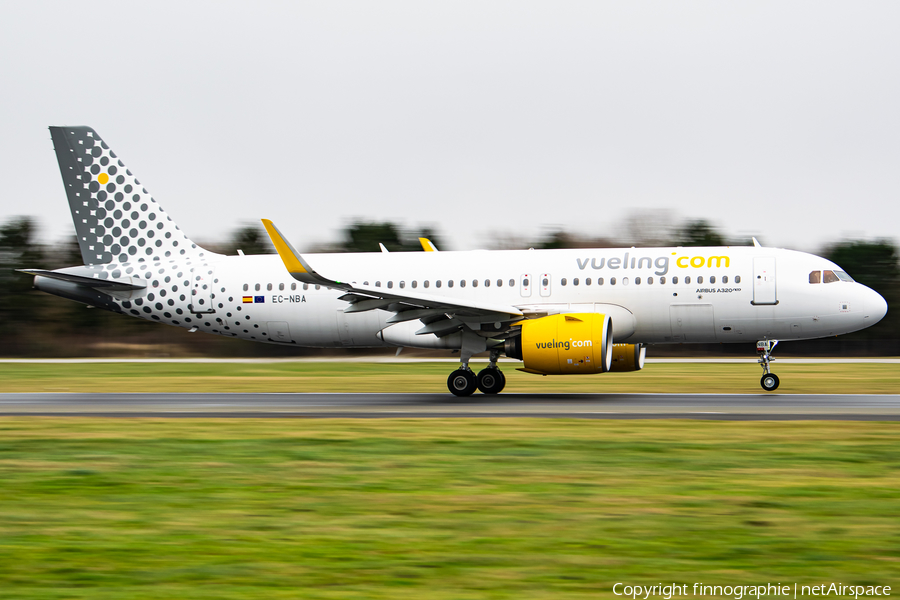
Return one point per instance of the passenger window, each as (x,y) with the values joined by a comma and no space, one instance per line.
(699,279)
(612,281)
(425,283)
(402,285)
(599,281)
(575,281)
(437,283)
(280,287)
(449,283)
(687,278)
(737,278)
(474,283)
(318,287)
(415,284)
(662,281)
(649,281)
(675,279)
(815,277)
(525,282)
(562,281)
(499,283)
(377,284)
(587,281)
(637,281)
(512,283)
(390,284)
(829,277)
(294,286)
(246,287)
(462,283)
(306,285)
(724,278)
(487,283)
(257,288)
(712,278)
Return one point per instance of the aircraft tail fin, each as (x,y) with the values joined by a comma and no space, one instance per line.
(116,219)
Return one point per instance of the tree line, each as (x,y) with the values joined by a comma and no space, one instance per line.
(36,324)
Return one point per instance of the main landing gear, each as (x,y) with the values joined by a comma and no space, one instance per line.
(764,348)
(464,382)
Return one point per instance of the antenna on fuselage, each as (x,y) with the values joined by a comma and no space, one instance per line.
(756,243)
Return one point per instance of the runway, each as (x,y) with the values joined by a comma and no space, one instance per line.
(368,406)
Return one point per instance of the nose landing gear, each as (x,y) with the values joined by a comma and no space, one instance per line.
(769,380)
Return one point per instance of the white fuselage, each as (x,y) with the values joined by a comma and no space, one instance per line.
(653,295)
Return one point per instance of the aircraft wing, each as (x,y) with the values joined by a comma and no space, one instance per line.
(439,314)
(109,285)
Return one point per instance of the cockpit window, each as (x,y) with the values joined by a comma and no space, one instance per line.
(830,277)
(843,276)
(815,277)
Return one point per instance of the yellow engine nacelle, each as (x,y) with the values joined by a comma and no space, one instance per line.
(564,344)
(628,357)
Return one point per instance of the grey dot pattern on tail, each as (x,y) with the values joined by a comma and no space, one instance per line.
(116,217)
(124,233)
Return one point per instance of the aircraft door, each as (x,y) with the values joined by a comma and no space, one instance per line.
(202,290)
(764,280)
(525,285)
(545,284)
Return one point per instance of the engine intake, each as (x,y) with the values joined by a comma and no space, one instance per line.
(564,344)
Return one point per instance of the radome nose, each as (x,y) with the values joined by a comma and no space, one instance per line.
(876,307)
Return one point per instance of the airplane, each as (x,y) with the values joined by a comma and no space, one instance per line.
(565,311)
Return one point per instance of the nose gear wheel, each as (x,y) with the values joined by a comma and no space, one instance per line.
(769,382)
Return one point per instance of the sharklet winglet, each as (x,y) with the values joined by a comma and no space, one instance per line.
(293,261)
(427,245)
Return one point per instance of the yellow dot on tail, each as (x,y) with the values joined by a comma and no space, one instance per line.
(103,178)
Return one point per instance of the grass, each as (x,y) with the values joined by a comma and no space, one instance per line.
(432,377)
(461,509)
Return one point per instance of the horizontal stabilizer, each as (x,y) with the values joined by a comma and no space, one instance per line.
(109,285)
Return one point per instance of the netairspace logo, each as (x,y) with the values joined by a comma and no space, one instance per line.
(668,591)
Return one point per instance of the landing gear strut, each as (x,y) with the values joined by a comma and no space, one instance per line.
(463,382)
(764,348)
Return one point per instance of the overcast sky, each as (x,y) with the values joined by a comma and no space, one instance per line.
(769,118)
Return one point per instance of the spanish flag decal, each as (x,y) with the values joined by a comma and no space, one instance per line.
(248,299)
